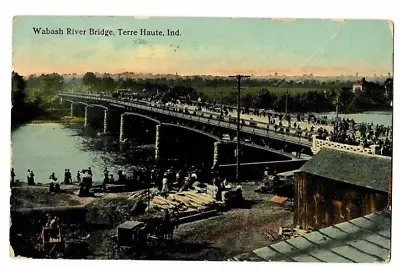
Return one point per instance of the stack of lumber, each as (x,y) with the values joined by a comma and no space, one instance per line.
(181,201)
(292,232)
(143,194)
(193,199)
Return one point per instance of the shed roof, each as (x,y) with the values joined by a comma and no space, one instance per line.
(363,240)
(130,225)
(359,169)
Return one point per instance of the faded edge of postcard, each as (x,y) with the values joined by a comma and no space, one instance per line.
(199,139)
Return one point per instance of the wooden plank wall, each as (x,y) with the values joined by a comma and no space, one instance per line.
(321,202)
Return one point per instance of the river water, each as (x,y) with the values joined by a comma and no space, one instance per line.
(47,148)
(381,118)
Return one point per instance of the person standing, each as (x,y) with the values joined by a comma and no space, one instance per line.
(12,176)
(69,177)
(65,177)
(89,177)
(32,178)
(106,178)
(78,177)
(28,176)
(53,177)
(165,186)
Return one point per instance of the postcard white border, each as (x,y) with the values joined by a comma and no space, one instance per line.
(371,9)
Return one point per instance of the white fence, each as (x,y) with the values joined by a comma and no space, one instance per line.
(318,144)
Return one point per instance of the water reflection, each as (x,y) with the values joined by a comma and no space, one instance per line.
(47,148)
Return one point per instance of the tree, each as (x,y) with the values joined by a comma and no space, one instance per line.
(90,80)
(108,84)
(388,84)
(264,99)
(247,100)
(18,86)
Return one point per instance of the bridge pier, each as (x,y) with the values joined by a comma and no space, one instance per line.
(217,148)
(72,110)
(157,155)
(121,128)
(105,124)
(86,115)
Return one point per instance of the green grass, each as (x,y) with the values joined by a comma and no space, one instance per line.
(228,91)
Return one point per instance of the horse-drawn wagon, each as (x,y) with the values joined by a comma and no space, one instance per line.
(52,241)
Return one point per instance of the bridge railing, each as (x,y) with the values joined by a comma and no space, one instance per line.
(284,136)
(318,144)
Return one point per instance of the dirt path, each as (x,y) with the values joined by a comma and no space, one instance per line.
(240,230)
(234,232)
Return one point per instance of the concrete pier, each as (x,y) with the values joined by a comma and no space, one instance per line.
(72,113)
(158,142)
(217,146)
(86,115)
(105,126)
(121,129)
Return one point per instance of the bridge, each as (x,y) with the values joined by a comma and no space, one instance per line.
(212,128)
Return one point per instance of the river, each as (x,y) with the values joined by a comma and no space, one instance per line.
(47,148)
(381,118)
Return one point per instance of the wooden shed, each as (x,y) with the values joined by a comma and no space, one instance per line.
(336,186)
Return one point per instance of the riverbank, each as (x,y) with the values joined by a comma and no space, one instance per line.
(64,120)
(41,115)
(234,232)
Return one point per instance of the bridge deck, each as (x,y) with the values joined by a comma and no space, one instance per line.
(218,123)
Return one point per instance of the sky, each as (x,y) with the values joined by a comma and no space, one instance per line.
(206,46)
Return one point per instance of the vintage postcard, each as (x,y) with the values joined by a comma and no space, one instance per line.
(211,139)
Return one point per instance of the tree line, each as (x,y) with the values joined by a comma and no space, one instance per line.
(31,97)
(377,98)
(39,90)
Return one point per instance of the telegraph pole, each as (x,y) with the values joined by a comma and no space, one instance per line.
(220,99)
(239,78)
(337,108)
(337,114)
(215,94)
(287,93)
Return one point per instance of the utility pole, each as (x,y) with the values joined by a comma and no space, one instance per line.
(220,99)
(239,78)
(215,94)
(337,114)
(337,108)
(287,93)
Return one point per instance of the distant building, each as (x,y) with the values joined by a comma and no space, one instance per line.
(360,85)
(336,186)
(364,85)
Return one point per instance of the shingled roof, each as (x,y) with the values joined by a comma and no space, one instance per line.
(362,170)
(362,240)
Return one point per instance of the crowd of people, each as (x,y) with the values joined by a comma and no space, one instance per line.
(190,178)
(166,180)
(345,131)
